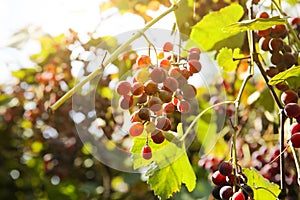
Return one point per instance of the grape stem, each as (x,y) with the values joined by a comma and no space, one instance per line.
(199,116)
(113,56)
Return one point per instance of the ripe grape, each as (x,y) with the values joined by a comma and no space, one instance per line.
(150,87)
(292,110)
(194,66)
(165,96)
(143,61)
(137,88)
(194,56)
(264,43)
(142,98)
(158,75)
(165,64)
(155,104)
(183,106)
(272,71)
(247,190)
(295,139)
(276,44)
(262,14)
(126,102)
(289,96)
(225,168)
(185,73)
(168,108)
(168,46)
(195,49)
(157,136)
(264,33)
(218,179)
(276,58)
(289,59)
(216,192)
(163,123)
(171,84)
(238,196)
(230,179)
(174,72)
(226,192)
(278,31)
(134,117)
(144,114)
(147,152)
(136,129)
(188,91)
(295,128)
(123,87)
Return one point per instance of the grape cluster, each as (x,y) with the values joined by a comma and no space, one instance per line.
(272,40)
(224,179)
(156,93)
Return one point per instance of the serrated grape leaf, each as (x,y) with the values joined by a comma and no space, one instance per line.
(254,24)
(168,180)
(225,58)
(208,32)
(263,189)
(291,77)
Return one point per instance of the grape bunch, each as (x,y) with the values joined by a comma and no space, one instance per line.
(225,180)
(272,40)
(156,94)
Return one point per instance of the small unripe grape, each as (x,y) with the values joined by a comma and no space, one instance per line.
(157,136)
(295,139)
(218,179)
(158,75)
(295,128)
(136,129)
(123,87)
(150,87)
(143,61)
(144,114)
(142,75)
(194,66)
(168,46)
(137,88)
(155,104)
(292,110)
(225,168)
(226,192)
(289,96)
(147,152)
(126,102)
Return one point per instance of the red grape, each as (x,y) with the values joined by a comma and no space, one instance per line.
(238,195)
(168,46)
(292,110)
(158,75)
(151,87)
(157,136)
(137,88)
(295,128)
(165,64)
(194,66)
(262,14)
(144,114)
(225,168)
(226,192)
(123,87)
(168,108)
(195,49)
(126,102)
(163,123)
(295,139)
(171,84)
(143,61)
(165,96)
(134,117)
(136,129)
(155,104)
(147,152)
(188,91)
(218,179)
(276,44)
(183,106)
(194,56)
(289,96)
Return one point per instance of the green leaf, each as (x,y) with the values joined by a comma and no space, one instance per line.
(225,58)
(254,24)
(209,31)
(182,20)
(263,189)
(291,77)
(168,180)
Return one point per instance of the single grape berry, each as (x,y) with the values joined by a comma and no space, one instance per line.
(155,104)
(143,61)
(137,88)
(147,152)
(272,71)
(123,87)
(185,73)
(165,64)
(262,14)
(183,106)
(168,46)
(289,59)
(276,44)
(292,110)
(225,168)
(295,139)
(171,84)
(226,192)
(230,179)
(247,191)
(150,87)
(136,129)
(279,31)
(264,43)
(295,128)
(158,75)
(165,96)
(144,114)
(193,56)
(238,196)
(143,98)
(289,96)
(218,179)
(134,117)
(216,192)
(142,75)
(126,102)
(188,91)
(194,66)
(168,108)
(157,136)
(195,50)
(163,123)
